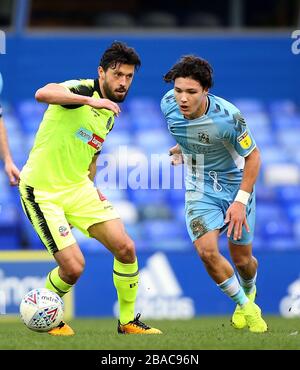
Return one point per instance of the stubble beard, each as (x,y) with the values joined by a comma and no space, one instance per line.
(109,94)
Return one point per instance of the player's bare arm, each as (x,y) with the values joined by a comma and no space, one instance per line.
(11,169)
(236,213)
(176,155)
(53,93)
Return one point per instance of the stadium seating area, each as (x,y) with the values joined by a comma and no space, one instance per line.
(155,218)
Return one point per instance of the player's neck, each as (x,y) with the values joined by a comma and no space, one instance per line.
(102,92)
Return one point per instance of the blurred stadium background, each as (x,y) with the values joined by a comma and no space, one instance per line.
(249,44)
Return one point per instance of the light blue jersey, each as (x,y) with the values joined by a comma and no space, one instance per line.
(214,147)
(221,135)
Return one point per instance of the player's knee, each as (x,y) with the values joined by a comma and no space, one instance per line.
(126,251)
(73,272)
(208,255)
(241,261)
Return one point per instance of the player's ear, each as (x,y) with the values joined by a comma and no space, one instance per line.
(101,72)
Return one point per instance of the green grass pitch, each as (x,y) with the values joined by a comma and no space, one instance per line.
(196,334)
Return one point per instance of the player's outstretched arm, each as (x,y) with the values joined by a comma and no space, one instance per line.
(56,94)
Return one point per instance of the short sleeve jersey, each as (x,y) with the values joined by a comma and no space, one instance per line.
(220,136)
(68,138)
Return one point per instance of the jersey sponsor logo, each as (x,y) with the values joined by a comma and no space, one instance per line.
(245,140)
(90,138)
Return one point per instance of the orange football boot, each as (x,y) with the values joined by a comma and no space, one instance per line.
(136,327)
(62,329)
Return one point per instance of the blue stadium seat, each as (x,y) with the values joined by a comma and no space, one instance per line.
(143,105)
(127,211)
(282,122)
(257,121)
(163,229)
(249,105)
(265,194)
(296,227)
(12,124)
(288,194)
(263,136)
(289,137)
(277,228)
(293,211)
(123,122)
(282,243)
(166,235)
(268,211)
(271,154)
(282,107)
(9,227)
(142,197)
(155,211)
(30,114)
(155,141)
(116,139)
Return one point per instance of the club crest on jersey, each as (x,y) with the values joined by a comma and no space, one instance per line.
(63,231)
(244,140)
(89,138)
(203,137)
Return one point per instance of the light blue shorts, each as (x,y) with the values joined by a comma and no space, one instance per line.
(206,212)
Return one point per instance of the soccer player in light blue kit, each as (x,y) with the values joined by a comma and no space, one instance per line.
(222,166)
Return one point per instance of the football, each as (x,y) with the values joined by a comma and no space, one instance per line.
(41,310)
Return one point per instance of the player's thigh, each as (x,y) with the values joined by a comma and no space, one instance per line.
(47,218)
(208,243)
(86,207)
(112,234)
(70,258)
(203,217)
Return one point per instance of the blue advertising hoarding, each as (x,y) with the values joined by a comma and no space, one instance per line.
(21,272)
(173,285)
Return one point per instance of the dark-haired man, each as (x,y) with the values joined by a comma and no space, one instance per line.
(223,163)
(57,186)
